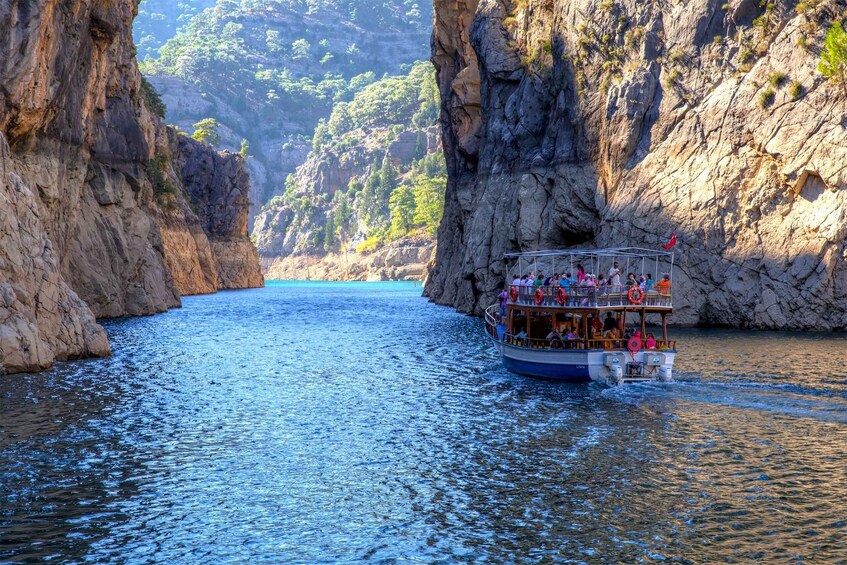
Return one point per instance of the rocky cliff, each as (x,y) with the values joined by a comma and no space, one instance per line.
(613,123)
(375,176)
(268,71)
(88,185)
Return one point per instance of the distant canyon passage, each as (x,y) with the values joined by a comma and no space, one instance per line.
(609,124)
(104,212)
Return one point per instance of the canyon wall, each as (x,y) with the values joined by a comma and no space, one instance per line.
(578,123)
(89,188)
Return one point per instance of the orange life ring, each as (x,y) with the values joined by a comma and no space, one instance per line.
(561,296)
(513,294)
(632,292)
(539,297)
(634,344)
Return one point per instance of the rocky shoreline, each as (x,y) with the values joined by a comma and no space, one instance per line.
(405,259)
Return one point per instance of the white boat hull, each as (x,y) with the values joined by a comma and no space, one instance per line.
(585,365)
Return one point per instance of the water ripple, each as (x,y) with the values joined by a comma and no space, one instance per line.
(348,422)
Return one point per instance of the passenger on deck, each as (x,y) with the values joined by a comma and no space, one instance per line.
(539,282)
(504,298)
(567,282)
(572,338)
(648,283)
(518,281)
(596,326)
(611,335)
(664,285)
(602,284)
(580,273)
(630,281)
(615,278)
(521,337)
(610,322)
(554,338)
(651,341)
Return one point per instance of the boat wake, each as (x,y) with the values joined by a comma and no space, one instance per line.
(787,399)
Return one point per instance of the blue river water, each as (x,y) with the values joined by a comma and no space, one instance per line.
(336,422)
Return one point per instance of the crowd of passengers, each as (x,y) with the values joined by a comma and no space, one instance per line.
(609,330)
(589,282)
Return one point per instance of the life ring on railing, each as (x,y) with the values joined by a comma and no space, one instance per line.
(634,344)
(561,296)
(539,297)
(513,294)
(633,292)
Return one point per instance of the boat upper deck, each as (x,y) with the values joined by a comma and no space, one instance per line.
(554,297)
(587,279)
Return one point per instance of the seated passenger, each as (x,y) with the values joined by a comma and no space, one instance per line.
(664,285)
(630,281)
(611,335)
(651,341)
(554,338)
(572,338)
(648,284)
(521,337)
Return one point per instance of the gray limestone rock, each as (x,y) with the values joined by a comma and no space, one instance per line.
(625,121)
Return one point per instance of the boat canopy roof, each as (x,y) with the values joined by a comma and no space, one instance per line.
(612,252)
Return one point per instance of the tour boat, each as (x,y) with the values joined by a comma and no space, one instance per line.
(576,329)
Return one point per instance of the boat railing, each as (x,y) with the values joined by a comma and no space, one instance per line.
(609,344)
(587,297)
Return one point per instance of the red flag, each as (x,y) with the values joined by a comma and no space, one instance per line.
(672,242)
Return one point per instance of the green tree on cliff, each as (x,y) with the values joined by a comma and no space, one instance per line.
(402,206)
(833,63)
(206,131)
(429,202)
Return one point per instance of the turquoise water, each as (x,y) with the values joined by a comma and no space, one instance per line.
(347,422)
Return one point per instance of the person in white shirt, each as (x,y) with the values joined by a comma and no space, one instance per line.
(615,278)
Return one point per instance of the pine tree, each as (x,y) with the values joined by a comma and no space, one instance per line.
(402,206)
(833,63)
(206,131)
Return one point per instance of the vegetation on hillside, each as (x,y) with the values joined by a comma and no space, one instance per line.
(159,20)
(295,57)
(833,64)
(392,196)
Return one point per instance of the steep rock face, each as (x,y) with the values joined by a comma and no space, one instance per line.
(80,136)
(41,318)
(81,178)
(218,187)
(612,124)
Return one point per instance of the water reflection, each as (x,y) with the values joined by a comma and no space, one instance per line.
(348,422)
